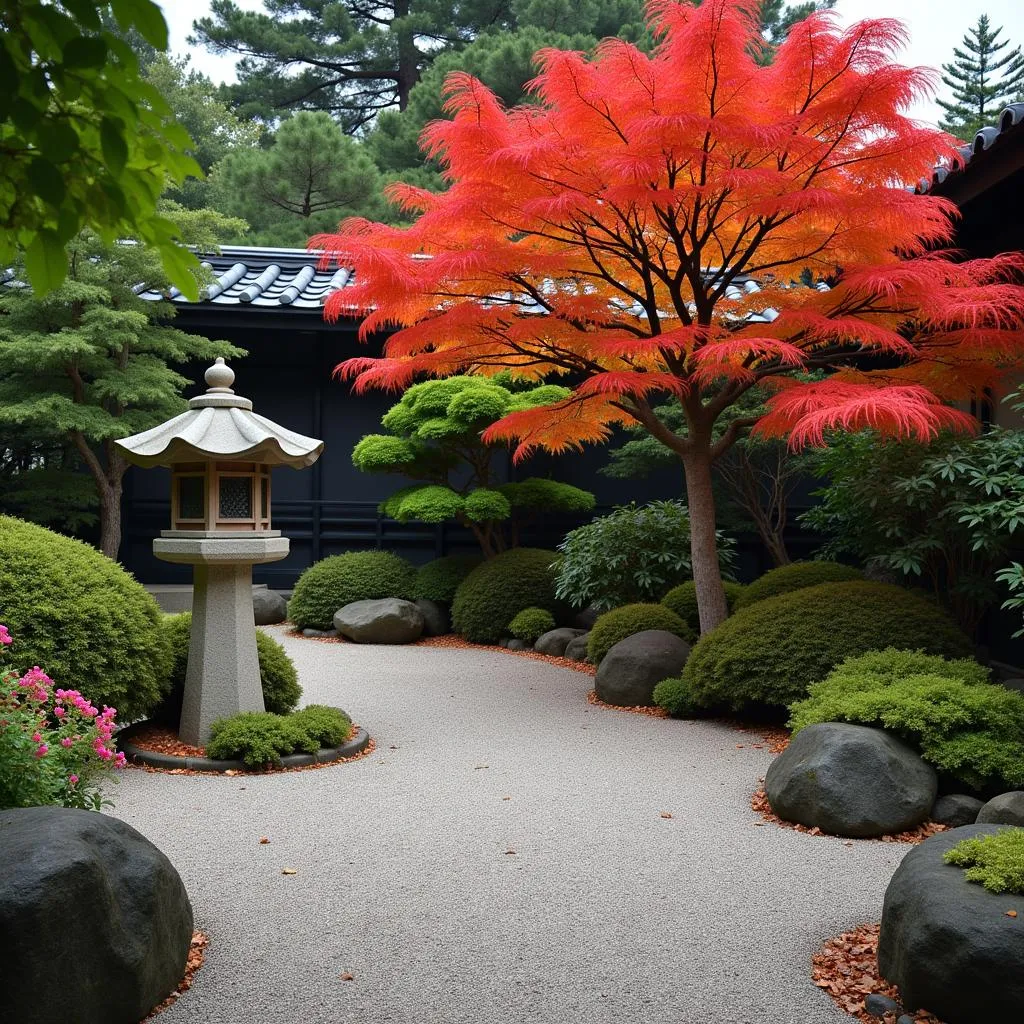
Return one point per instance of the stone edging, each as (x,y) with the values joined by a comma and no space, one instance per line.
(154,759)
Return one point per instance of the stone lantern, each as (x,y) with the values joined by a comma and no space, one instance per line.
(220,454)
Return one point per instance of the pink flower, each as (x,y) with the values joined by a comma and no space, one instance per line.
(5,637)
(59,712)
(67,741)
(36,738)
(42,750)
(72,779)
(120,759)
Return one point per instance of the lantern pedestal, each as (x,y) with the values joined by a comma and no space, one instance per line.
(223,676)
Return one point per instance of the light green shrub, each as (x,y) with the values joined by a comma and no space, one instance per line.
(619,623)
(994,860)
(530,624)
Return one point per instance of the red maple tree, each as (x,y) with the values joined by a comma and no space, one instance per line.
(608,233)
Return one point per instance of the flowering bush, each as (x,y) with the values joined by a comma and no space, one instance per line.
(54,745)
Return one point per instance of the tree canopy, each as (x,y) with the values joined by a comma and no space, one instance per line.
(983,79)
(433,436)
(607,231)
(85,140)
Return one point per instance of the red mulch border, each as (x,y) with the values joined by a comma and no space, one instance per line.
(846,969)
(196,956)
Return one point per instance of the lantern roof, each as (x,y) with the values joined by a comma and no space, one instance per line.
(220,425)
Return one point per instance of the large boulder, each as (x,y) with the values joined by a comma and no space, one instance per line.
(949,944)
(555,641)
(1005,809)
(268,606)
(850,780)
(956,809)
(387,620)
(576,650)
(95,923)
(436,619)
(633,667)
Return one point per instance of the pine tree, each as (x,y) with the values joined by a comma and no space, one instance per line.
(983,79)
(90,362)
(606,233)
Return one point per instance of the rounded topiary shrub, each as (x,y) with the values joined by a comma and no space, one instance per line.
(334,582)
(795,576)
(531,624)
(491,596)
(438,580)
(767,655)
(619,623)
(84,620)
(683,601)
(675,695)
(281,690)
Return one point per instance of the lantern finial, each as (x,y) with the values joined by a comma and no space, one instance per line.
(220,377)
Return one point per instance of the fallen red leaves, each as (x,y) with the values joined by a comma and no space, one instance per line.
(453,641)
(846,967)
(162,740)
(196,955)
(593,698)
(759,803)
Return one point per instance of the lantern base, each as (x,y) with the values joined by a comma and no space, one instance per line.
(223,674)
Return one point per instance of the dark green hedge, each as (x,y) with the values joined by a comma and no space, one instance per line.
(767,655)
(683,601)
(438,580)
(333,582)
(795,576)
(491,596)
(84,620)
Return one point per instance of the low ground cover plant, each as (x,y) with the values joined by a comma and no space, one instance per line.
(622,622)
(795,576)
(634,554)
(959,722)
(55,745)
(767,655)
(683,601)
(260,739)
(79,614)
(491,596)
(994,861)
(531,624)
(279,679)
(334,582)
(439,579)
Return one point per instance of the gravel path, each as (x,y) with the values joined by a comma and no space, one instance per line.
(604,912)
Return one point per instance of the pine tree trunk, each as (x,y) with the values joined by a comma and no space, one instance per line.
(110,521)
(408,62)
(707,577)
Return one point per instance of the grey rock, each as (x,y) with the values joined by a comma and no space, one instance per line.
(946,942)
(576,650)
(555,641)
(905,1018)
(503,642)
(517,645)
(632,668)
(850,780)
(1005,809)
(956,809)
(328,633)
(586,617)
(95,923)
(1013,684)
(878,1005)
(268,606)
(436,620)
(386,620)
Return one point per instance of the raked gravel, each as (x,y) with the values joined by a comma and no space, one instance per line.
(605,911)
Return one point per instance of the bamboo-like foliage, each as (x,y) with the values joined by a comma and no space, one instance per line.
(606,232)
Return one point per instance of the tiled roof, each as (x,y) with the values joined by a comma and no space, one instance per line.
(255,276)
(988,137)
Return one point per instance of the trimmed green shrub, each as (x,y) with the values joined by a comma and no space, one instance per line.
(795,576)
(766,656)
(263,738)
(80,616)
(676,697)
(438,580)
(334,582)
(619,623)
(960,723)
(995,861)
(491,596)
(530,624)
(683,601)
(281,690)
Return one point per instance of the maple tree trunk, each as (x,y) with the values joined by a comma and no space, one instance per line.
(707,577)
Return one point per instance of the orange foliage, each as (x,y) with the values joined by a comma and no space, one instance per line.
(606,233)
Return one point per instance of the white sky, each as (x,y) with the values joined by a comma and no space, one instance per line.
(936,26)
